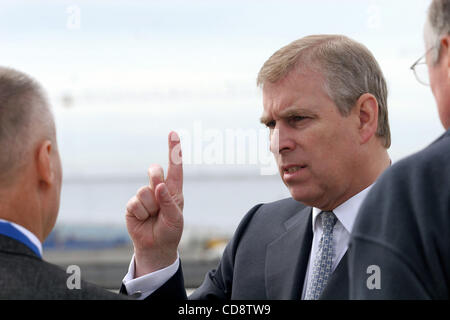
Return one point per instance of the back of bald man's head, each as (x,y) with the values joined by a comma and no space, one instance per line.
(25,119)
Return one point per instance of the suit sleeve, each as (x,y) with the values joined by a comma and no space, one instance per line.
(173,288)
(402,233)
(217,284)
(380,273)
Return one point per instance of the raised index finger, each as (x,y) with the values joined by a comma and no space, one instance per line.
(174,179)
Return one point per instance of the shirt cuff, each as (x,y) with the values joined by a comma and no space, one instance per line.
(145,285)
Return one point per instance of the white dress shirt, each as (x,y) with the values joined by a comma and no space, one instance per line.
(345,213)
(145,285)
(27,234)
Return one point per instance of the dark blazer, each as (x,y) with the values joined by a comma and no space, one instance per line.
(267,258)
(24,275)
(403,227)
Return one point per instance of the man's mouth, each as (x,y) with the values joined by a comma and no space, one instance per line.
(292,168)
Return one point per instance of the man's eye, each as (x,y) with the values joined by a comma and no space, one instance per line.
(297,118)
(270,124)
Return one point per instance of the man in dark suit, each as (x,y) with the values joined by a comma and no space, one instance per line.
(400,247)
(30,184)
(325,107)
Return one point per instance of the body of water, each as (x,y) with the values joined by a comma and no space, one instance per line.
(95,206)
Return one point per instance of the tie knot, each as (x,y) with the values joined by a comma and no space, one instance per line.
(328,220)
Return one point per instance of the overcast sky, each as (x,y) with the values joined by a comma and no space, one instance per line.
(122,74)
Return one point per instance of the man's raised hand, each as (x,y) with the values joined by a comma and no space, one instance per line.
(154,215)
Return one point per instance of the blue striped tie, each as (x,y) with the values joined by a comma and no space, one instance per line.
(323,262)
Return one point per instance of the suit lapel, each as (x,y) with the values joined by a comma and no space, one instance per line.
(287,258)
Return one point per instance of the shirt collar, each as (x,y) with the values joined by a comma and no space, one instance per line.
(346,212)
(27,233)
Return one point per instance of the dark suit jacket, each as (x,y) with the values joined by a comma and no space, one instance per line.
(23,275)
(403,227)
(267,258)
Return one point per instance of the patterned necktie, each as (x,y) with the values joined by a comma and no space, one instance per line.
(323,261)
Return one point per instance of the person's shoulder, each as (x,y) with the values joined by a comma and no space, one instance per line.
(288,204)
(263,224)
(403,224)
(280,210)
(433,159)
(413,194)
(62,284)
(269,218)
(28,277)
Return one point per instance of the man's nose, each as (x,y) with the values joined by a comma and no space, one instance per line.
(281,140)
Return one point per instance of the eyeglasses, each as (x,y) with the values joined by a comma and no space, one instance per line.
(420,69)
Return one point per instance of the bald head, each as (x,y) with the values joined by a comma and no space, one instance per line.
(25,119)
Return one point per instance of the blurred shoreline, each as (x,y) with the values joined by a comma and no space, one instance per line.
(107,268)
(105,262)
(91,230)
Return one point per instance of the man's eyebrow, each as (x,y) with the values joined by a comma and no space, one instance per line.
(265,118)
(286,113)
(292,111)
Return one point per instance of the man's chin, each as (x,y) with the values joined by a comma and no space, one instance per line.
(301,196)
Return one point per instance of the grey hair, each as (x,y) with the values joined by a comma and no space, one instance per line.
(349,69)
(436,26)
(24,117)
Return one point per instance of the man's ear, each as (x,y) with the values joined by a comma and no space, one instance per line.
(445,52)
(44,163)
(367,109)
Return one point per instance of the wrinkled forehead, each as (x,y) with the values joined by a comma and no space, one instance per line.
(292,91)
